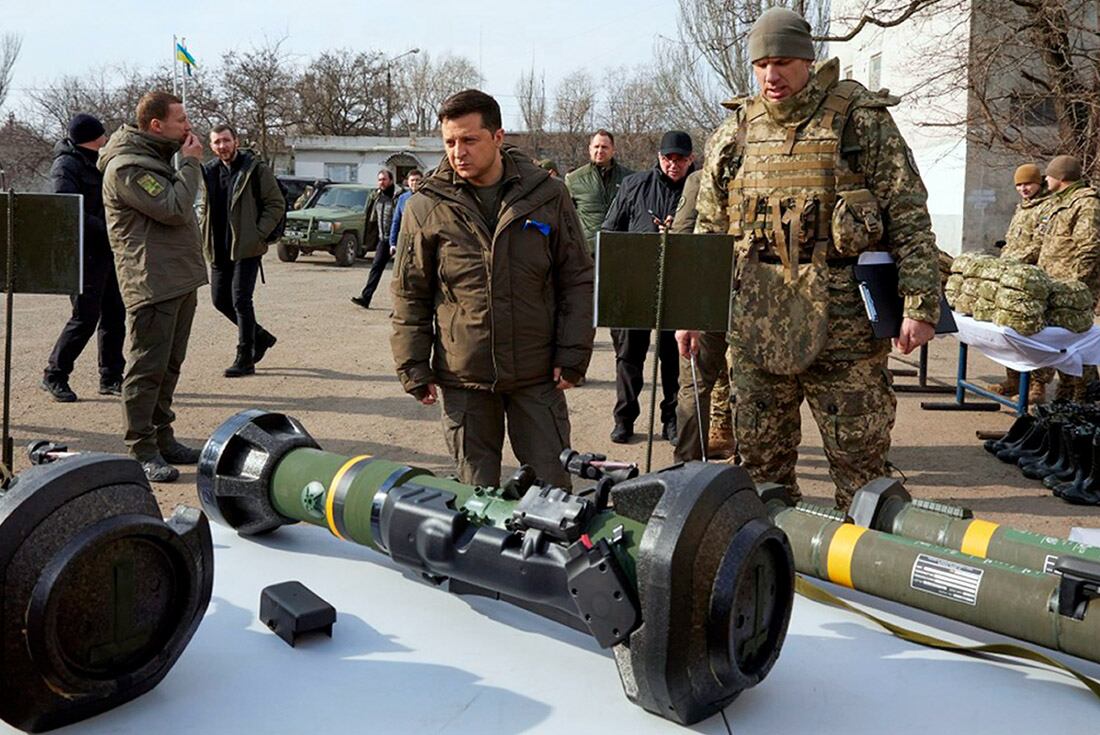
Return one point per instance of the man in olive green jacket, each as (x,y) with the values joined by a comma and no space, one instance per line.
(593,186)
(155,239)
(492,298)
(242,206)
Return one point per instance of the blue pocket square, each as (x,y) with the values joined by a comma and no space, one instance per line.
(540,226)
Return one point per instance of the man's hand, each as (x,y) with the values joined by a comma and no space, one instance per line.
(688,341)
(914,334)
(560,382)
(429,396)
(192,147)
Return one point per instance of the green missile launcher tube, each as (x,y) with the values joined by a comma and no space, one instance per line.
(885,505)
(1050,610)
(687,580)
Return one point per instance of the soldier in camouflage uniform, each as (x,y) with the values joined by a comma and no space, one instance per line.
(806,176)
(1069,232)
(1022,245)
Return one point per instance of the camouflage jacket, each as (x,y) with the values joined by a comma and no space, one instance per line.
(882,158)
(1020,241)
(1069,230)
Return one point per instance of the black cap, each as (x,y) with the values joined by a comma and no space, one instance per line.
(675,141)
(84,128)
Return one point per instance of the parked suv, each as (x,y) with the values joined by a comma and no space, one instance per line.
(295,186)
(335,222)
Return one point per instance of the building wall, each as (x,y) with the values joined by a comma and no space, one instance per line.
(901,56)
(366,154)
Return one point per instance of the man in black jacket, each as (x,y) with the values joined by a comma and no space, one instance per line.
(381,217)
(646,202)
(99,307)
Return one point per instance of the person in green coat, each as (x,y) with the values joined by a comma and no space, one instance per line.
(154,236)
(593,187)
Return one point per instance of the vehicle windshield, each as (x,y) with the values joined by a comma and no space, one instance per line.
(347,198)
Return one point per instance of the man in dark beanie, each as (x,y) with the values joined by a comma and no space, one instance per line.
(806,176)
(99,306)
(1069,232)
(647,202)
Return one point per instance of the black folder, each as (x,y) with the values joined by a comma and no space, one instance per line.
(878,285)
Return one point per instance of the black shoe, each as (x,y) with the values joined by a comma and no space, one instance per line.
(111,387)
(176,453)
(360,301)
(243,365)
(157,470)
(265,340)
(621,433)
(668,430)
(59,389)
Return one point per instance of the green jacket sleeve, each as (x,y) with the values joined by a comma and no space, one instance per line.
(168,201)
(891,174)
(271,197)
(413,288)
(573,278)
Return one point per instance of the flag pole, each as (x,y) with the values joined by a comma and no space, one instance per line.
(175,66)
(183,42)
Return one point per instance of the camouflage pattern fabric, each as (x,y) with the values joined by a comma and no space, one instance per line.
(851,401)
(964,304)
(945,261)
(987,290)
(1030,279)
(992,271)
(1021,244)
(1021,302)
(984,310)
(973,267)
(961,262)
(847,385)
(1075,320)
(1069,226)
(1020,322)
(721,413)
(971,287)
(1070,295)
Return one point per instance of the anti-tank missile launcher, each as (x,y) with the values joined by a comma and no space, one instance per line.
(685,579)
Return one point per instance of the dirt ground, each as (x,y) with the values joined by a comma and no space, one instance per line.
(332,370)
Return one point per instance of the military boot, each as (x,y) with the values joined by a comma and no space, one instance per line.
(243,365)
(1084,467)
(1080,445)
(1086,492)
(1033,451)
(1014,434)
(1043,465)
(1030,439)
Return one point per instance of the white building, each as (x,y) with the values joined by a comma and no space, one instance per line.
(359,158)
(971,196)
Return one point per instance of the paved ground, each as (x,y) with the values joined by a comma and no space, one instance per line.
(332,370)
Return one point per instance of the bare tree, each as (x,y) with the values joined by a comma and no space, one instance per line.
(421,83)
(531,94)
(10,45)
(343,93)
(636,111)
(708,61)
(574,117)
(258,94)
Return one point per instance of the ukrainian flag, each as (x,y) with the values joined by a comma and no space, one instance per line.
(182,54)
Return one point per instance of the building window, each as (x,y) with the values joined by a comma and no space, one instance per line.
(848,72)
(874,73)
(341,173)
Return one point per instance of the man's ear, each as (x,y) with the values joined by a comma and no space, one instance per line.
(498,136)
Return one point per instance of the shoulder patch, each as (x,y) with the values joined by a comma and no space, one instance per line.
(150,185)
(911,159)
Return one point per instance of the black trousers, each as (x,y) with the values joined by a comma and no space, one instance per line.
(381,258)
(631,346)
(98,310)
(231,288)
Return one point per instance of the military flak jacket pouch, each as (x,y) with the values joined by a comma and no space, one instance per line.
(781,322)
(857,222)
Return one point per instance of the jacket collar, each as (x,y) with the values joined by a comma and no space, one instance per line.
(798,108)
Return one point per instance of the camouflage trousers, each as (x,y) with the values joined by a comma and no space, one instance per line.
(851,401)
(1072,387)
(721,413)
(710,367)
